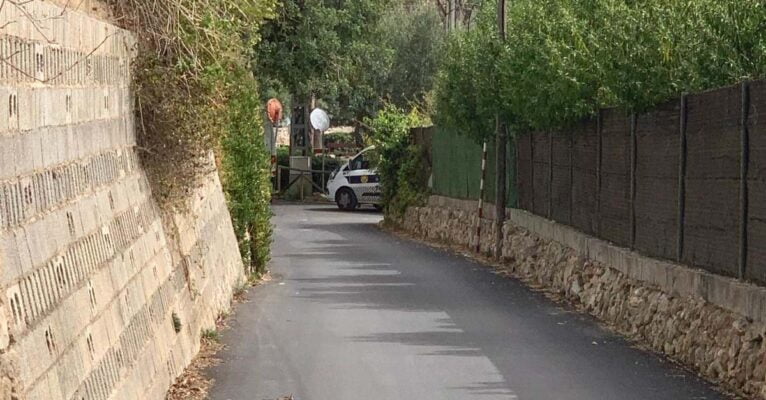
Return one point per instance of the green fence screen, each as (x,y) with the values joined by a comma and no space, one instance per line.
(457,167)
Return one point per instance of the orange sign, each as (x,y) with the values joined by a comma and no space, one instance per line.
(274,109)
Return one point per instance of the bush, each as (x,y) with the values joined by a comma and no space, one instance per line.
(247,176)
(404,178)
(195,95)
(565,59)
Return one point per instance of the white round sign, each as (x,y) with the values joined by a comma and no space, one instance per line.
(320,120)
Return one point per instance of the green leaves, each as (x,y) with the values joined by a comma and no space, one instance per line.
(564,59)
(196,94)
(399,164)
(246,173)
(352,55)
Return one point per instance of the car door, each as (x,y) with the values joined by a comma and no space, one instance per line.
(363,181)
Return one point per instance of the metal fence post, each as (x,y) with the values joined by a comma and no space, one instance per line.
(744,159)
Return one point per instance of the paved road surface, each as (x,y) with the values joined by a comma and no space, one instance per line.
(357,314)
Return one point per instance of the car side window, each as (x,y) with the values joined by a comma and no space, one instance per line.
(359,163)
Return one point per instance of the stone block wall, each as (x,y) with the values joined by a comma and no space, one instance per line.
(92,273)
(713,324)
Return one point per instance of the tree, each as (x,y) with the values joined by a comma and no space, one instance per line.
(415,36)
(323,48)
(354,56)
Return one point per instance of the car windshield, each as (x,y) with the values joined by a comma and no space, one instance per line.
(366,160)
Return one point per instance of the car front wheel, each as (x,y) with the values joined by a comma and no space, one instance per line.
(345,199)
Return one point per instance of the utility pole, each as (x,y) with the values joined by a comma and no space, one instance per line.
(501,142)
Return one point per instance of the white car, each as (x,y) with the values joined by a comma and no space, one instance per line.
(355,183)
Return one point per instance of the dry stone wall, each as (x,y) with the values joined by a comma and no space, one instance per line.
(713,324)
(102,295)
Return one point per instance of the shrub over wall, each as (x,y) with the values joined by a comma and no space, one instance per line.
(195,94)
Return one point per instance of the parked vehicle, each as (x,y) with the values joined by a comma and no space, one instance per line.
(355,183)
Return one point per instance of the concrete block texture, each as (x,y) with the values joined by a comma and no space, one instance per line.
(90,277)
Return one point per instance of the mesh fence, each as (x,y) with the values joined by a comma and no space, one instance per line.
(457,167)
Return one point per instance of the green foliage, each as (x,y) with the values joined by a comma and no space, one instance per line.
(565,59)
(283,156)
(399,163)
(211,335)
(413,33)
(177,325)
(320,47)
(340,137)
(353,56)
(246,170)
(189,55)
(467,87)
(196,95)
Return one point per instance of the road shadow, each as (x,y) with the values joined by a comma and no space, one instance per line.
(537,346)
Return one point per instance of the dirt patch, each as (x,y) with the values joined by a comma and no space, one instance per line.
(194,384)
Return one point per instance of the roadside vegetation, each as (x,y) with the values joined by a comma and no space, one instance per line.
(371,64)
(352,57)
(565,59)
(196,96)
(400,163)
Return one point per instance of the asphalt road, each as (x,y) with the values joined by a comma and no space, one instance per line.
(355,313)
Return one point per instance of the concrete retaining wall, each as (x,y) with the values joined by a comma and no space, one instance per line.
(714,324)
(91,271)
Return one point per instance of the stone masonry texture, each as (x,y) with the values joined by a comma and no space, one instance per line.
(92,273)
(713,324)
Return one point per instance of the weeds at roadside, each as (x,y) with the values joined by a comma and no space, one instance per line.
(241,289)
(211,335)
(194,383)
